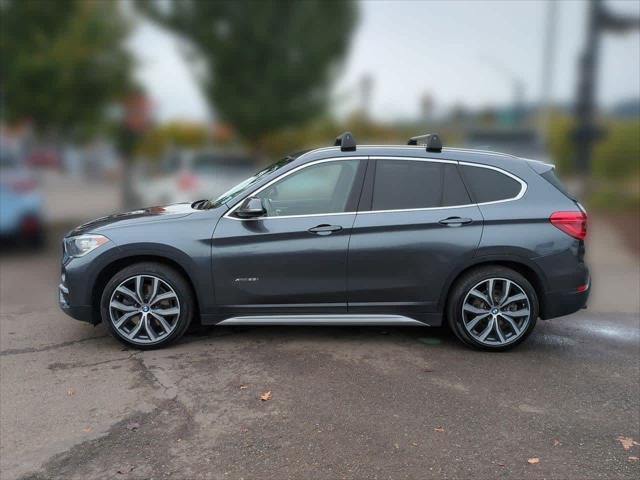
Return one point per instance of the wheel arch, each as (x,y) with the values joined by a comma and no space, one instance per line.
(110,269)
(524,267)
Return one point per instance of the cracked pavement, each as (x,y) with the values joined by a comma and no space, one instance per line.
(347,402)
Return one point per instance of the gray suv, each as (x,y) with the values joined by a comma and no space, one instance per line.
(344,235)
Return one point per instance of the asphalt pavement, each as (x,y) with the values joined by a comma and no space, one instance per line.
(356,403)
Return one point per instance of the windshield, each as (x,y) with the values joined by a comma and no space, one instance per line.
(246,184)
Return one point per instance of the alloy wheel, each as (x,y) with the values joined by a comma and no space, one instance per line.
(496,312)
(144,309)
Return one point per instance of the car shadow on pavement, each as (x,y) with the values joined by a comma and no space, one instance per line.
(433,336)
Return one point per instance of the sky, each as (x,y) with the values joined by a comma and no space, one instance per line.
(458,52)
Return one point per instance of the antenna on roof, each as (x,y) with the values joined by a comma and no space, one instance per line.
(431,140)
(346,142)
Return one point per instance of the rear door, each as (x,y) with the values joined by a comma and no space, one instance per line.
(415,223)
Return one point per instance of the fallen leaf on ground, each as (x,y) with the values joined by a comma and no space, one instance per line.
(133,426)
(87,429)
(71,392)
(533,461)
(627,442)
(266,396)
(124,470)
(243,387)
(633,459)
(439,429)
(556,442)
(501,464)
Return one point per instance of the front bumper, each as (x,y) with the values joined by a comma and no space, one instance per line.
(79,276)
(79,312)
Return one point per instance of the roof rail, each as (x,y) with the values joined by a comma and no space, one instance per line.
(346,142)
(431,140)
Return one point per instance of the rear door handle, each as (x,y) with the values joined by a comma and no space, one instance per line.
(325,229)
(455,221)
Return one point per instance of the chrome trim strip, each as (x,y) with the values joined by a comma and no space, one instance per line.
(523,188)
(323,320)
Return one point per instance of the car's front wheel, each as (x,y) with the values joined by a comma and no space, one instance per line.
(493,308)
(147,305)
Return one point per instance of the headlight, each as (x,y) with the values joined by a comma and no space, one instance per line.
(83,244)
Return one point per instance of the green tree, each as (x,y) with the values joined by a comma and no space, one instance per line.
(267,64)
(63,62)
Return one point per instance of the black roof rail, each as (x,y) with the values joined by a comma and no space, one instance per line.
(431,140)
(346,142)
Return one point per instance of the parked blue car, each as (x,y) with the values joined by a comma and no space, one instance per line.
(21,215)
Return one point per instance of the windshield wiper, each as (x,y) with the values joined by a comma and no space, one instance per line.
(203,204)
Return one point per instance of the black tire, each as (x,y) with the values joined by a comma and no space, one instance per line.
(174,279)
(471,279)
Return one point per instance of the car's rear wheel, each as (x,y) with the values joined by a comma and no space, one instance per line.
(147,305)
(493,308)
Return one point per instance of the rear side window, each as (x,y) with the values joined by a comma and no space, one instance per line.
(487,185)
(405,184)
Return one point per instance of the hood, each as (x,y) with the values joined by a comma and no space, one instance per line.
(136,217)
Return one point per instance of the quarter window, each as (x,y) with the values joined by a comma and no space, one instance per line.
(317,189)
(406,184)
(487,185)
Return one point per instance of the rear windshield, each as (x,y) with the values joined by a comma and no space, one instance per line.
(551,177)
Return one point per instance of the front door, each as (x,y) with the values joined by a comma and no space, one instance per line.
(293,260)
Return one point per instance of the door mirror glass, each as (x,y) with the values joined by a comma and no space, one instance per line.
(252,207)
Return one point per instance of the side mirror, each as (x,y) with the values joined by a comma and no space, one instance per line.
(252,207)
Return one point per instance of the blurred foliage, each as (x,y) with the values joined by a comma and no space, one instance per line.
(616,156)
(615,197)
(322,132)
(266,65)
(63,62)
(174,134)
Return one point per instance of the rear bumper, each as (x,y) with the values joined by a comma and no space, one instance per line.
(564,303)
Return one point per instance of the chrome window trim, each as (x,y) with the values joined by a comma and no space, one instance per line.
(523,187)
(286,174)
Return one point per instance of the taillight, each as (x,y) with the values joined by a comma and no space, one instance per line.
(571,223)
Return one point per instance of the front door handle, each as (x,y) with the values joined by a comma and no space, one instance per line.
(325,229)
(455,221)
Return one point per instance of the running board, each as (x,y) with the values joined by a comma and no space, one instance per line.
(323,320)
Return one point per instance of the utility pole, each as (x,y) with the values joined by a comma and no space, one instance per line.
(599,21)
(548,61)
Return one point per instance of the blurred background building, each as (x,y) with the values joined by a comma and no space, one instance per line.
(119,104)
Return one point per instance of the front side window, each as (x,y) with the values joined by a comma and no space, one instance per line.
(408,184)
(317,189)
(488,185)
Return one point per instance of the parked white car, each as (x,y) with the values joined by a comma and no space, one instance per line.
(193,175)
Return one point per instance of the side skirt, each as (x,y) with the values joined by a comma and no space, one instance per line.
(319,320)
